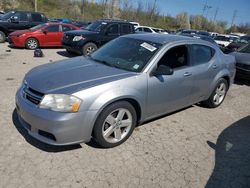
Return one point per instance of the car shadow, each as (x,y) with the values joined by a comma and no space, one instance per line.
(65,54)
(239,81)
(163,116)
(232,157)
(36,143)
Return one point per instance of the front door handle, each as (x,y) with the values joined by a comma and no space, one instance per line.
(215,66)
(187,74)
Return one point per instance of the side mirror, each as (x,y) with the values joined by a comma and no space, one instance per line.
(45,31)
(163,70)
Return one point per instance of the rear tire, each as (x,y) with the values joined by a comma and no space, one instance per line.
(218,95)
(115,124)
(32,44)
(2,37)
(89,48)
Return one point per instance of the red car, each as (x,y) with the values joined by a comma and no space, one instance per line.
(43,35)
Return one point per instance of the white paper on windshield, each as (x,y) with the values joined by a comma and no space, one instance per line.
(136,66)
(148,47)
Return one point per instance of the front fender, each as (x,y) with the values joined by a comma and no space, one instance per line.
(118,94)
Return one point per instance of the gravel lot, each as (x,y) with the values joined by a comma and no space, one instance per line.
(195,147)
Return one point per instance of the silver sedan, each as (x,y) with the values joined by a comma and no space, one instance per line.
(128,81)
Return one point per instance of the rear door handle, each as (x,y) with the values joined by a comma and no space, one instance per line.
(187,74)
(214,66)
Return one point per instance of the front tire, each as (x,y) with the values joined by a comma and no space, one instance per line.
(2,37)
(115,124)
(89,48)
(32,44)
(218,95)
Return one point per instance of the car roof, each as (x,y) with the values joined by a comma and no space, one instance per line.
(26,11)
(160,39)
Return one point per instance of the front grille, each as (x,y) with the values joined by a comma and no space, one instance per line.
(243,66)
(32,95)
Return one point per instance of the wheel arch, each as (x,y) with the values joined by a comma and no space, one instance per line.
(135,103)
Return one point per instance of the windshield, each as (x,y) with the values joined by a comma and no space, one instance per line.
(245,49)
(96,26)
(126,53)
(37,27)
(7,15)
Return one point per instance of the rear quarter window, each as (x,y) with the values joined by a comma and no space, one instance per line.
(36,17)
(201,54)
(126,28)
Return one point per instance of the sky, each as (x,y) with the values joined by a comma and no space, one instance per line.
(226,9)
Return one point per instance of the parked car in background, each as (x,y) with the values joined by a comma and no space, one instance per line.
(223,40)
(135,24)
(194,32)
(95,35)
(145,29)
(79,24)
(130,80)
(242,57)
(43,35)
(19,20)
(202,37)
(213,34)
(242,41)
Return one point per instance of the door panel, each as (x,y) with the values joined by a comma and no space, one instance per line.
(169,93)
(205,69)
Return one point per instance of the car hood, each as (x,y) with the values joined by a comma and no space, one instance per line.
(243,58)
(81,32)
(19,32)
(72,75)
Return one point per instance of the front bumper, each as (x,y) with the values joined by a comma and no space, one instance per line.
(54,128)
(16,41)
(74,47)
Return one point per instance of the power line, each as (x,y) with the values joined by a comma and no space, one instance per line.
(234,17)
(216,13)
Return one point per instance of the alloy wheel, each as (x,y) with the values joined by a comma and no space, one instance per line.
(220,93)
(117,125)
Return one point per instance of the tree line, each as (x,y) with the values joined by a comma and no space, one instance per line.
(133,10)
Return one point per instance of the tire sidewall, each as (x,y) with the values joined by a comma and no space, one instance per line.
(3,37)
(85,47)
(97,131)
(211,101)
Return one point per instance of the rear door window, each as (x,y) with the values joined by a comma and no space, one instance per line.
(52,28)
(113,29)
(36,17)
(147,30)
(126,28)
(201,54)
(67,28)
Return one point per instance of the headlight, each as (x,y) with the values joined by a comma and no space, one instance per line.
(77,38)
(61,103)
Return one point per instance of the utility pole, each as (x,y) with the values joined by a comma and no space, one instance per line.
(35,5)
(206,7)
(215,14)
(233,18)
